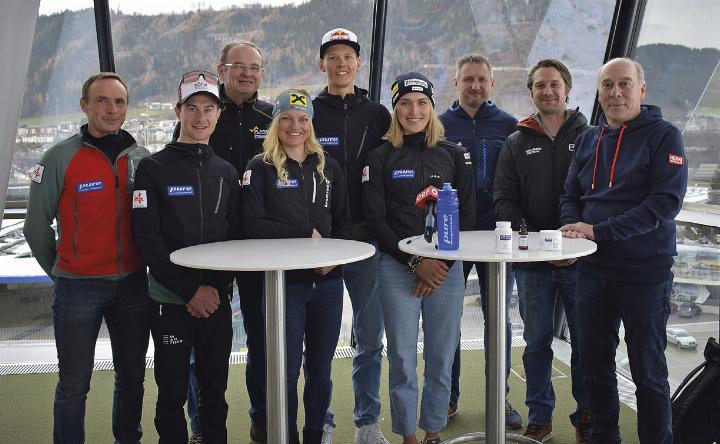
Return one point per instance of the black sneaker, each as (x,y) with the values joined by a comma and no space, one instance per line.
(513,420)
(258,433)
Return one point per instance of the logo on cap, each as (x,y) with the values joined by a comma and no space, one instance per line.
(298,99)
(339,34)
(416,82)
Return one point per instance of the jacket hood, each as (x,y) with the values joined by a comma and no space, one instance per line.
(487,109)
(574,118)
(358,96)
(649,115)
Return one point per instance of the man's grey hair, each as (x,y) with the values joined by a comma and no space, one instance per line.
(473,58)
(638,68)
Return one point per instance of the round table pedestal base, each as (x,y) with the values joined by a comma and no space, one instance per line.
(480,437)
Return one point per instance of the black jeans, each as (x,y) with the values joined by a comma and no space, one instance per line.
(175,333)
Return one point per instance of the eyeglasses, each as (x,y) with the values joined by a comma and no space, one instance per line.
(193,76)
(253,67)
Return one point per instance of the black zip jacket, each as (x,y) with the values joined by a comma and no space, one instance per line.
(191,198)
(273,210)
(349,128)
(240,131)
(530,174)
(394,178)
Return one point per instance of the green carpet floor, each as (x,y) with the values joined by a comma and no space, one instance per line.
(26,405)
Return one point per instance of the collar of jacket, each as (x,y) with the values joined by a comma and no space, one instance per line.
(227,103)
(191,149)
(358,96)
(311,159)
(533,124)
(416,140)
(486,110)
(123,138)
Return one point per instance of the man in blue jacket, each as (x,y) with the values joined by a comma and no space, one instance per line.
(624,188)
(477,124)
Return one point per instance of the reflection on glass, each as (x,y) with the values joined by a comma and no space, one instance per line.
(153,49)
(430,36)
(680,50)
(64,54)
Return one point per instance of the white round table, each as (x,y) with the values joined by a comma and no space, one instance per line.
(273,256)
(479,246)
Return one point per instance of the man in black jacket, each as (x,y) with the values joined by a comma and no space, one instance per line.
(238,137)
(349,126)
(529,180)
(184,195)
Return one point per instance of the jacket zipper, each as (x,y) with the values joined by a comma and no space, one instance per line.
(202,227)
(217,205)
(345,131)
(362,142)
(302,177)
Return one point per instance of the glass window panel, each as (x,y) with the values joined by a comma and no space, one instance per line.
(679,49)
(153,49)
(429,36)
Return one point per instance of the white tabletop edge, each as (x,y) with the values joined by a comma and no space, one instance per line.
(272,254)
(479,246)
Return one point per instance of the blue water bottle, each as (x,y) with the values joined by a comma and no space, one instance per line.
(448,218)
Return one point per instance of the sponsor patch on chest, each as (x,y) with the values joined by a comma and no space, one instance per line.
(37,173)
(291,183)
(92,185)
(403,174)
(180,190)
(329,141)
(139,199)
(258,133)
(676,159)
(531,151)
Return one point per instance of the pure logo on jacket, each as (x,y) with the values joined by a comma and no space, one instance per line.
(291,183)
(403,174)
(93,185)
(180,190)
(329,141)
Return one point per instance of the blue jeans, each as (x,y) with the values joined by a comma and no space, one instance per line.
(361,279)
(79,306)
(481,269)
(441,330)
(644,311)
(538,289)
(312,313)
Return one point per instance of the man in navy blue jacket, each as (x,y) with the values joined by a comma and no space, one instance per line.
(624,188)
(477,124)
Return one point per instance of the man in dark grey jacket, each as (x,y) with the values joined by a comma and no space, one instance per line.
(529,180)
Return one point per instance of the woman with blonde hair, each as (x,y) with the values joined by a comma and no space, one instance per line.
(294,190)
(414,157)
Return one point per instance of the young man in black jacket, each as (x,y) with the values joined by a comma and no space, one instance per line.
(238,136)
(529,180)
(184,195)
(349,125)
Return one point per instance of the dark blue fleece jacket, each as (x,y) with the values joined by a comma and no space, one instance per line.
(640,178)
(482,136)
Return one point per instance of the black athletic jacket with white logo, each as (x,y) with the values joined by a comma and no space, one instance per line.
(184,195)
(276,210)
(396,175)
(349,128)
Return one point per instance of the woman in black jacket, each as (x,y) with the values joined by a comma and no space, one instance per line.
(414,157)
(294,190)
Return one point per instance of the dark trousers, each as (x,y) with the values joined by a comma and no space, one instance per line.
(643,310)
(79,306)
(312,313)
(250,287)
(175,333)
